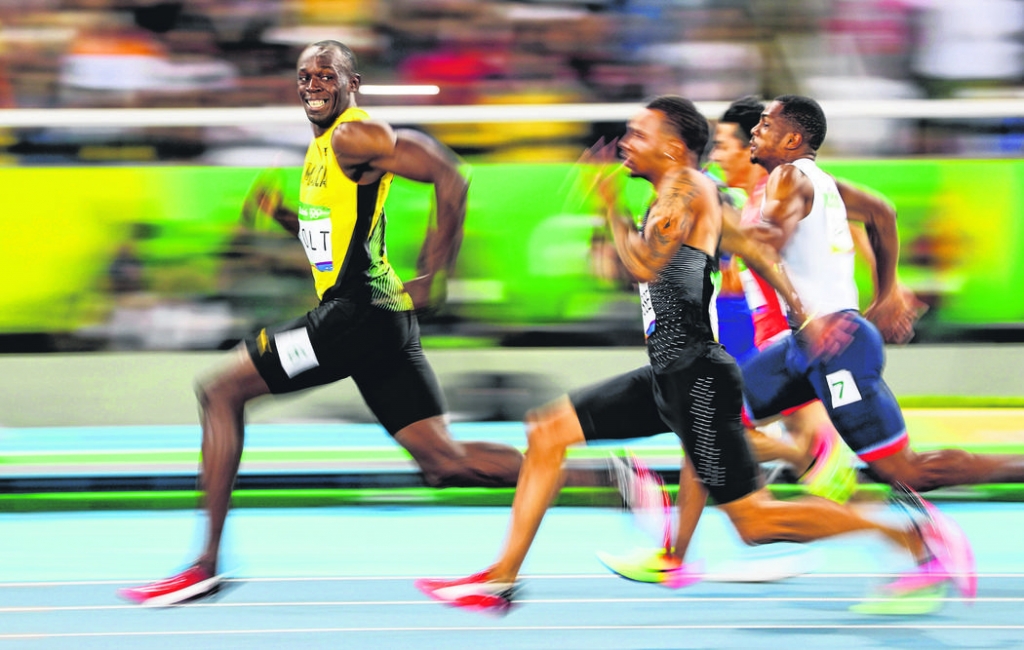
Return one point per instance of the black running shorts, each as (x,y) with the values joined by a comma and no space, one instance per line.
(379,349)
(699,400)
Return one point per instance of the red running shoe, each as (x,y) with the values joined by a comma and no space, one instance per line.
(474,593)
(192,583)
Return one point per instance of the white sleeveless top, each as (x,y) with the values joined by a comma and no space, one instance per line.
(819,255)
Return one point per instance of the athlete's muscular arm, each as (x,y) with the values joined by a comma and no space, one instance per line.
(789,196)
(894,308)
(287,218)
(421,158)
(862,247)
(266,196)
(669,224)
(879,219)
(367,150)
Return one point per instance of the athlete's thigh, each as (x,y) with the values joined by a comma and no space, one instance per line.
(858,401)
(619,408)
(396,379)
(773,382)
(804,422)
(701,401)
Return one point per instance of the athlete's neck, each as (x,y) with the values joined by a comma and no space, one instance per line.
(320,129)
(755,178)
(770,166)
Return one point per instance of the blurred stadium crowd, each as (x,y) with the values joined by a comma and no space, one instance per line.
(163,260)
(235,53)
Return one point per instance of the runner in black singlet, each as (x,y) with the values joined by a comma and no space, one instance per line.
(691,386)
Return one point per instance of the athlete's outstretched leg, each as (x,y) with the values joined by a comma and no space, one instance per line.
(446,462)
(761,519)
(550,431)
(804,427)
(690,503)
(945,467)
(222,403)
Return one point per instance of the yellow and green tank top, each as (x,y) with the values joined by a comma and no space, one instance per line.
(341,226)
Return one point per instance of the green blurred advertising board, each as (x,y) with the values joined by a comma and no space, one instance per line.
(529,254)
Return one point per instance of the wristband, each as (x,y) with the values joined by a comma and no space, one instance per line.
(806,321)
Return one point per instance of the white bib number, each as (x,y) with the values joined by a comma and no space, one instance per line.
(315,235)
(295,351)
(647,310)
(843,388)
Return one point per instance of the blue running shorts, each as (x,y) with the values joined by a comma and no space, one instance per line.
(850,385)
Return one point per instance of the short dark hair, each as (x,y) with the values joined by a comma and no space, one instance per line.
(342,49)
(807,115)
(684,118)
(745,113)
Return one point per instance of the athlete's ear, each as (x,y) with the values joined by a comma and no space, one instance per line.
(354,82)
(676,150)
(794,140)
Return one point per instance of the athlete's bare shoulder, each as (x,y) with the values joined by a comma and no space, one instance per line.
(788,179)
(785,173)
(789,195)
(709,191)
(362,141)
(688,200)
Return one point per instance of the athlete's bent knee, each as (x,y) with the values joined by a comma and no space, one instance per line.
(443,475)
(443,466)
(553,428)
(751,532)
(756,520)
(473,464)
(212,394)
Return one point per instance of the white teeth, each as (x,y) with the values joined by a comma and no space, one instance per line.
(316,103)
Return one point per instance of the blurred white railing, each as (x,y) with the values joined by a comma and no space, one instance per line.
(606,112)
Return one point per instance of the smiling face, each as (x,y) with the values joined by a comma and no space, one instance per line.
(326,85)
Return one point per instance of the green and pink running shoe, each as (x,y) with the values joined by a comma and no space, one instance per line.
(655,566)
(645,496)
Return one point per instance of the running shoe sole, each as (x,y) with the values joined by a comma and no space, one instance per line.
(195,591)
(923,601)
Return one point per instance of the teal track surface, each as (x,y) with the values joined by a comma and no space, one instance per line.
(277,456)
(333,577)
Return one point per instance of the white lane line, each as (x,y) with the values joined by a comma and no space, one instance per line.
(583,576)
(535,601)
(510,628)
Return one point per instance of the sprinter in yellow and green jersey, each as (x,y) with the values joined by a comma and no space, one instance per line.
(364,326)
